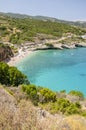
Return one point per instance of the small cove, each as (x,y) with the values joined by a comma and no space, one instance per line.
(57,69)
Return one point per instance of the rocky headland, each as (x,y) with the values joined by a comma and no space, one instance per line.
(12,53)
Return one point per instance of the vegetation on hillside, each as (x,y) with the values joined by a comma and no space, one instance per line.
(17,30)
(73,39)
(23,105)
(76,93)
(49,101)
(22,114)
(38,95)
(11,75)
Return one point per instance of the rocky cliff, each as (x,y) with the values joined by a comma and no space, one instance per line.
(5,52)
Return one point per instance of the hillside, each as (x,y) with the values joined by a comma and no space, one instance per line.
(26,33)
(45,18)
(27,106)
(18,30)
(18,112)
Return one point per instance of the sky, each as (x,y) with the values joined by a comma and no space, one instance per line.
(62,9)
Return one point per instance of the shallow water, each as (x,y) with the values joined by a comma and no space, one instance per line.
(57,69)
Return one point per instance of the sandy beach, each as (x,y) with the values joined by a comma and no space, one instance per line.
(22,54)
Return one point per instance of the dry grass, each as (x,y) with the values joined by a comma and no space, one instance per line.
(23,118)
(23,115)
(13,116)
(73,122)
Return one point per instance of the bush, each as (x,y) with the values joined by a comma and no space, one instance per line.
(63,91)
(47,95)
(83,113)
(78,105)
(72,109)
(63,106)
(76,93)
(31,91)
(67,107)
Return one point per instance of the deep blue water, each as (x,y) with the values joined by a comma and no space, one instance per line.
(57,69)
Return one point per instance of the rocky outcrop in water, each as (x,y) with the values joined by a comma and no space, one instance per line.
(5,52)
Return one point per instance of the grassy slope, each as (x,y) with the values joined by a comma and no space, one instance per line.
(19,113)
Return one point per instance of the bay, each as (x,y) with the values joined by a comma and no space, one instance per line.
(56,69)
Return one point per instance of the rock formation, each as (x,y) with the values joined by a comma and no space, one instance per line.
(5,52)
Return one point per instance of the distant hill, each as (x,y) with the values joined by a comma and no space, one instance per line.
(15,15)
(18,29)
(76,23)
(45,18)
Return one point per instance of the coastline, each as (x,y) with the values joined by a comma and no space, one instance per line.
(22,54)
(14,60)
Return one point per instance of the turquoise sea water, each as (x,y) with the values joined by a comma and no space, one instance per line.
(57,69)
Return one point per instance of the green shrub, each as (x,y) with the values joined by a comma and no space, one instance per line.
(76,93)
(83,113)
(63,91)
(72,109)
(67,107)
(77,104)
(31,91)
(48,95)
(64,106)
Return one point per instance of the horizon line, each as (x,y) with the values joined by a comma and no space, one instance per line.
(77,20)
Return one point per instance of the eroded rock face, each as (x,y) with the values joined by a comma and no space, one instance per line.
(5,52)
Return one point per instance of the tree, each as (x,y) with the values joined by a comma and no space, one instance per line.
(4,75)
(11,75)
(16,77)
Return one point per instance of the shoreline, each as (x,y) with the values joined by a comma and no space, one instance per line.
(14,60)
(22,54)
